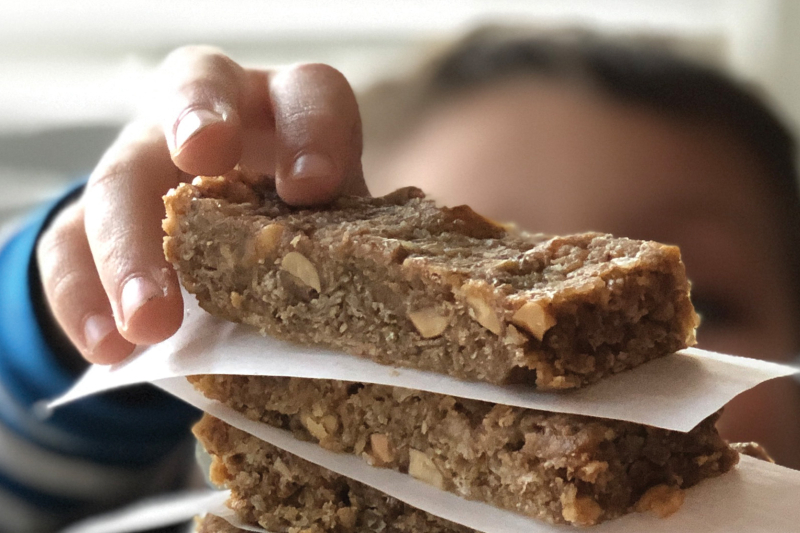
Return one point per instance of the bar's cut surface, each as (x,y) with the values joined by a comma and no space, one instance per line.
(554,467)
(283,493)
(406,283)
(214,524)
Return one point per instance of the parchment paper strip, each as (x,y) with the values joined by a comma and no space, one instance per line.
(159,511)
(675,392)
(757,497)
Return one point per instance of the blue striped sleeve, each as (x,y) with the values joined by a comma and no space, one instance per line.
(112,448)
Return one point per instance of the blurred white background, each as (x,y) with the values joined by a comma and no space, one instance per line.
(71,72)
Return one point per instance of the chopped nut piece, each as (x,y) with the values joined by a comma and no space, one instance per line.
(330,423)
(282,469)
(300,267)
(236,299)
(703,459)
(211,185)
(579,510)
(348,516)
(514,337)
(663,500)
(544,374)
(484,314)
(381,447)
(266,242)
(421,467)
(429,322)
(591,470)
(360,444)
(533,317)
(315,428)
(218,472)
(228,186)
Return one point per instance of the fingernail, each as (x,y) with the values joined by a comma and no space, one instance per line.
(313,166)
(96,329)
(135,293)
(191,123)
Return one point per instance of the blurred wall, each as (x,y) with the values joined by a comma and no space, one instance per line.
(72,72)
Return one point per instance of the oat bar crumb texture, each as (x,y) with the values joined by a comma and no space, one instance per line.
(406,283)
(283,493)
(554,467)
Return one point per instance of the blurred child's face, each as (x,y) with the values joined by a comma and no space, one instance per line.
(559,159)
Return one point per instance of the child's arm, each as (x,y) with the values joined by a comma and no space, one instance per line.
(93,455)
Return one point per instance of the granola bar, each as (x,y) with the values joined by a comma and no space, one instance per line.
(283,493)
(404,282)
(214,524)
(554,467)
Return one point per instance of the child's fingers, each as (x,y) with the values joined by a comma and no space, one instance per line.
(73,289)
(308,114)
(209,104)
(200,97)
(123,214)
(317,135)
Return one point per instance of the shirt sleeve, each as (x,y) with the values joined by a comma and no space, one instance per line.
(87,457)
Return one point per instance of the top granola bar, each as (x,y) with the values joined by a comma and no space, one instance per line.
(404,282)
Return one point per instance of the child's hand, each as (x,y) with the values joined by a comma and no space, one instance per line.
(101,260)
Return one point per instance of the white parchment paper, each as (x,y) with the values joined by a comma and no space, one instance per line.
(756,497)
(675,392)
(159,511)
(162,511)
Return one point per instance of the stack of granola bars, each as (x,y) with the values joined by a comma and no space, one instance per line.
(405,283)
